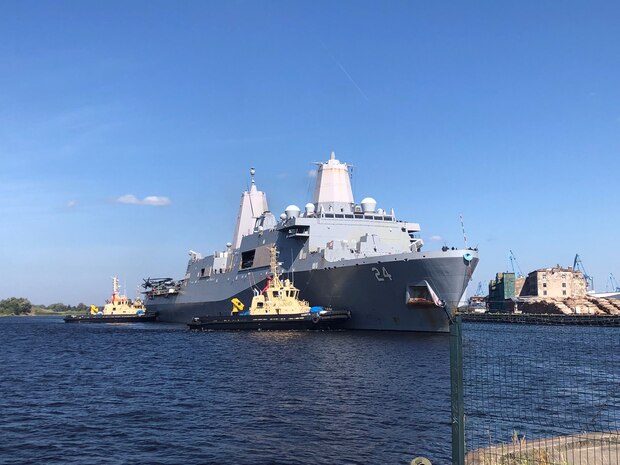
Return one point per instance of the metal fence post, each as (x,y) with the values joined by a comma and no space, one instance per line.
(456,390)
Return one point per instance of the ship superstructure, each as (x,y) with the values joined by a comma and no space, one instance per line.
(339,253)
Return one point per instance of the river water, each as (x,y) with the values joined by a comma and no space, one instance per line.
(160,394)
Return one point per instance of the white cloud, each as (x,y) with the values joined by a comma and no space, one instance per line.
(152,200)
(128,199)
(436,238)
(156,201)
(72,203)
(312,174)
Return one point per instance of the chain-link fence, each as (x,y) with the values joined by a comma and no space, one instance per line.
(535,394)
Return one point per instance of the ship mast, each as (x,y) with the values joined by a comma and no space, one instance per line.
(253,205)
(275,281)
(332,191)
(114,288)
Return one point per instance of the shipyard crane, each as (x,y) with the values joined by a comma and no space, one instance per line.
(578,266)
(613,283)
(480,289)
(516,269)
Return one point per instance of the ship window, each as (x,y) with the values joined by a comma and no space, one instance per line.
(247,259)
(339,216)
(259,304)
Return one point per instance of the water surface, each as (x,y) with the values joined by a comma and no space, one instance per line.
(159,394)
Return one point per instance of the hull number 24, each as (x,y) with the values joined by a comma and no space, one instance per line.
(379,276)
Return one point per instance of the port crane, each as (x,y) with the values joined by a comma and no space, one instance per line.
(578,266)
(515,265)
(480,289)
(613,283)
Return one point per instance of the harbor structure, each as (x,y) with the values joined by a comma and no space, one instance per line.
(554,282)
(551,290)
(504,287)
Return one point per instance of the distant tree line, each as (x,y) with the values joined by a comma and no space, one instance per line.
(23,306)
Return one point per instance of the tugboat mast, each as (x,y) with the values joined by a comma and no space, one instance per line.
(275,281)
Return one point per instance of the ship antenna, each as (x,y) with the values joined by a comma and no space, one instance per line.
(463,228)
(252,173)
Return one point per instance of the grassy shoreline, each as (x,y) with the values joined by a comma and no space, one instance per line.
(41,313)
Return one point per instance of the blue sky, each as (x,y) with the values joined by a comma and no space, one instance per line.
(506,112)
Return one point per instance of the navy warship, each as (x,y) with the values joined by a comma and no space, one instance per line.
(339,254)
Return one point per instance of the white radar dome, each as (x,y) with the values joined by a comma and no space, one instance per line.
(368,205)
(309,209)
(292,211)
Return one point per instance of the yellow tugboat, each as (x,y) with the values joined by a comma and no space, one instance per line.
(277,306)
(118,309)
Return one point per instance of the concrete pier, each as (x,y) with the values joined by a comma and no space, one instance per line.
(581,449)
(543,319)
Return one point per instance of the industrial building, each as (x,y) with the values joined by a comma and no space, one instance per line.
(547,290)
(555,282)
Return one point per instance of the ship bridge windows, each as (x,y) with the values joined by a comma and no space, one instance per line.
(359,215)
(299,231)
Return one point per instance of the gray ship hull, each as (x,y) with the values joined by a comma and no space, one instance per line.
(377,292)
